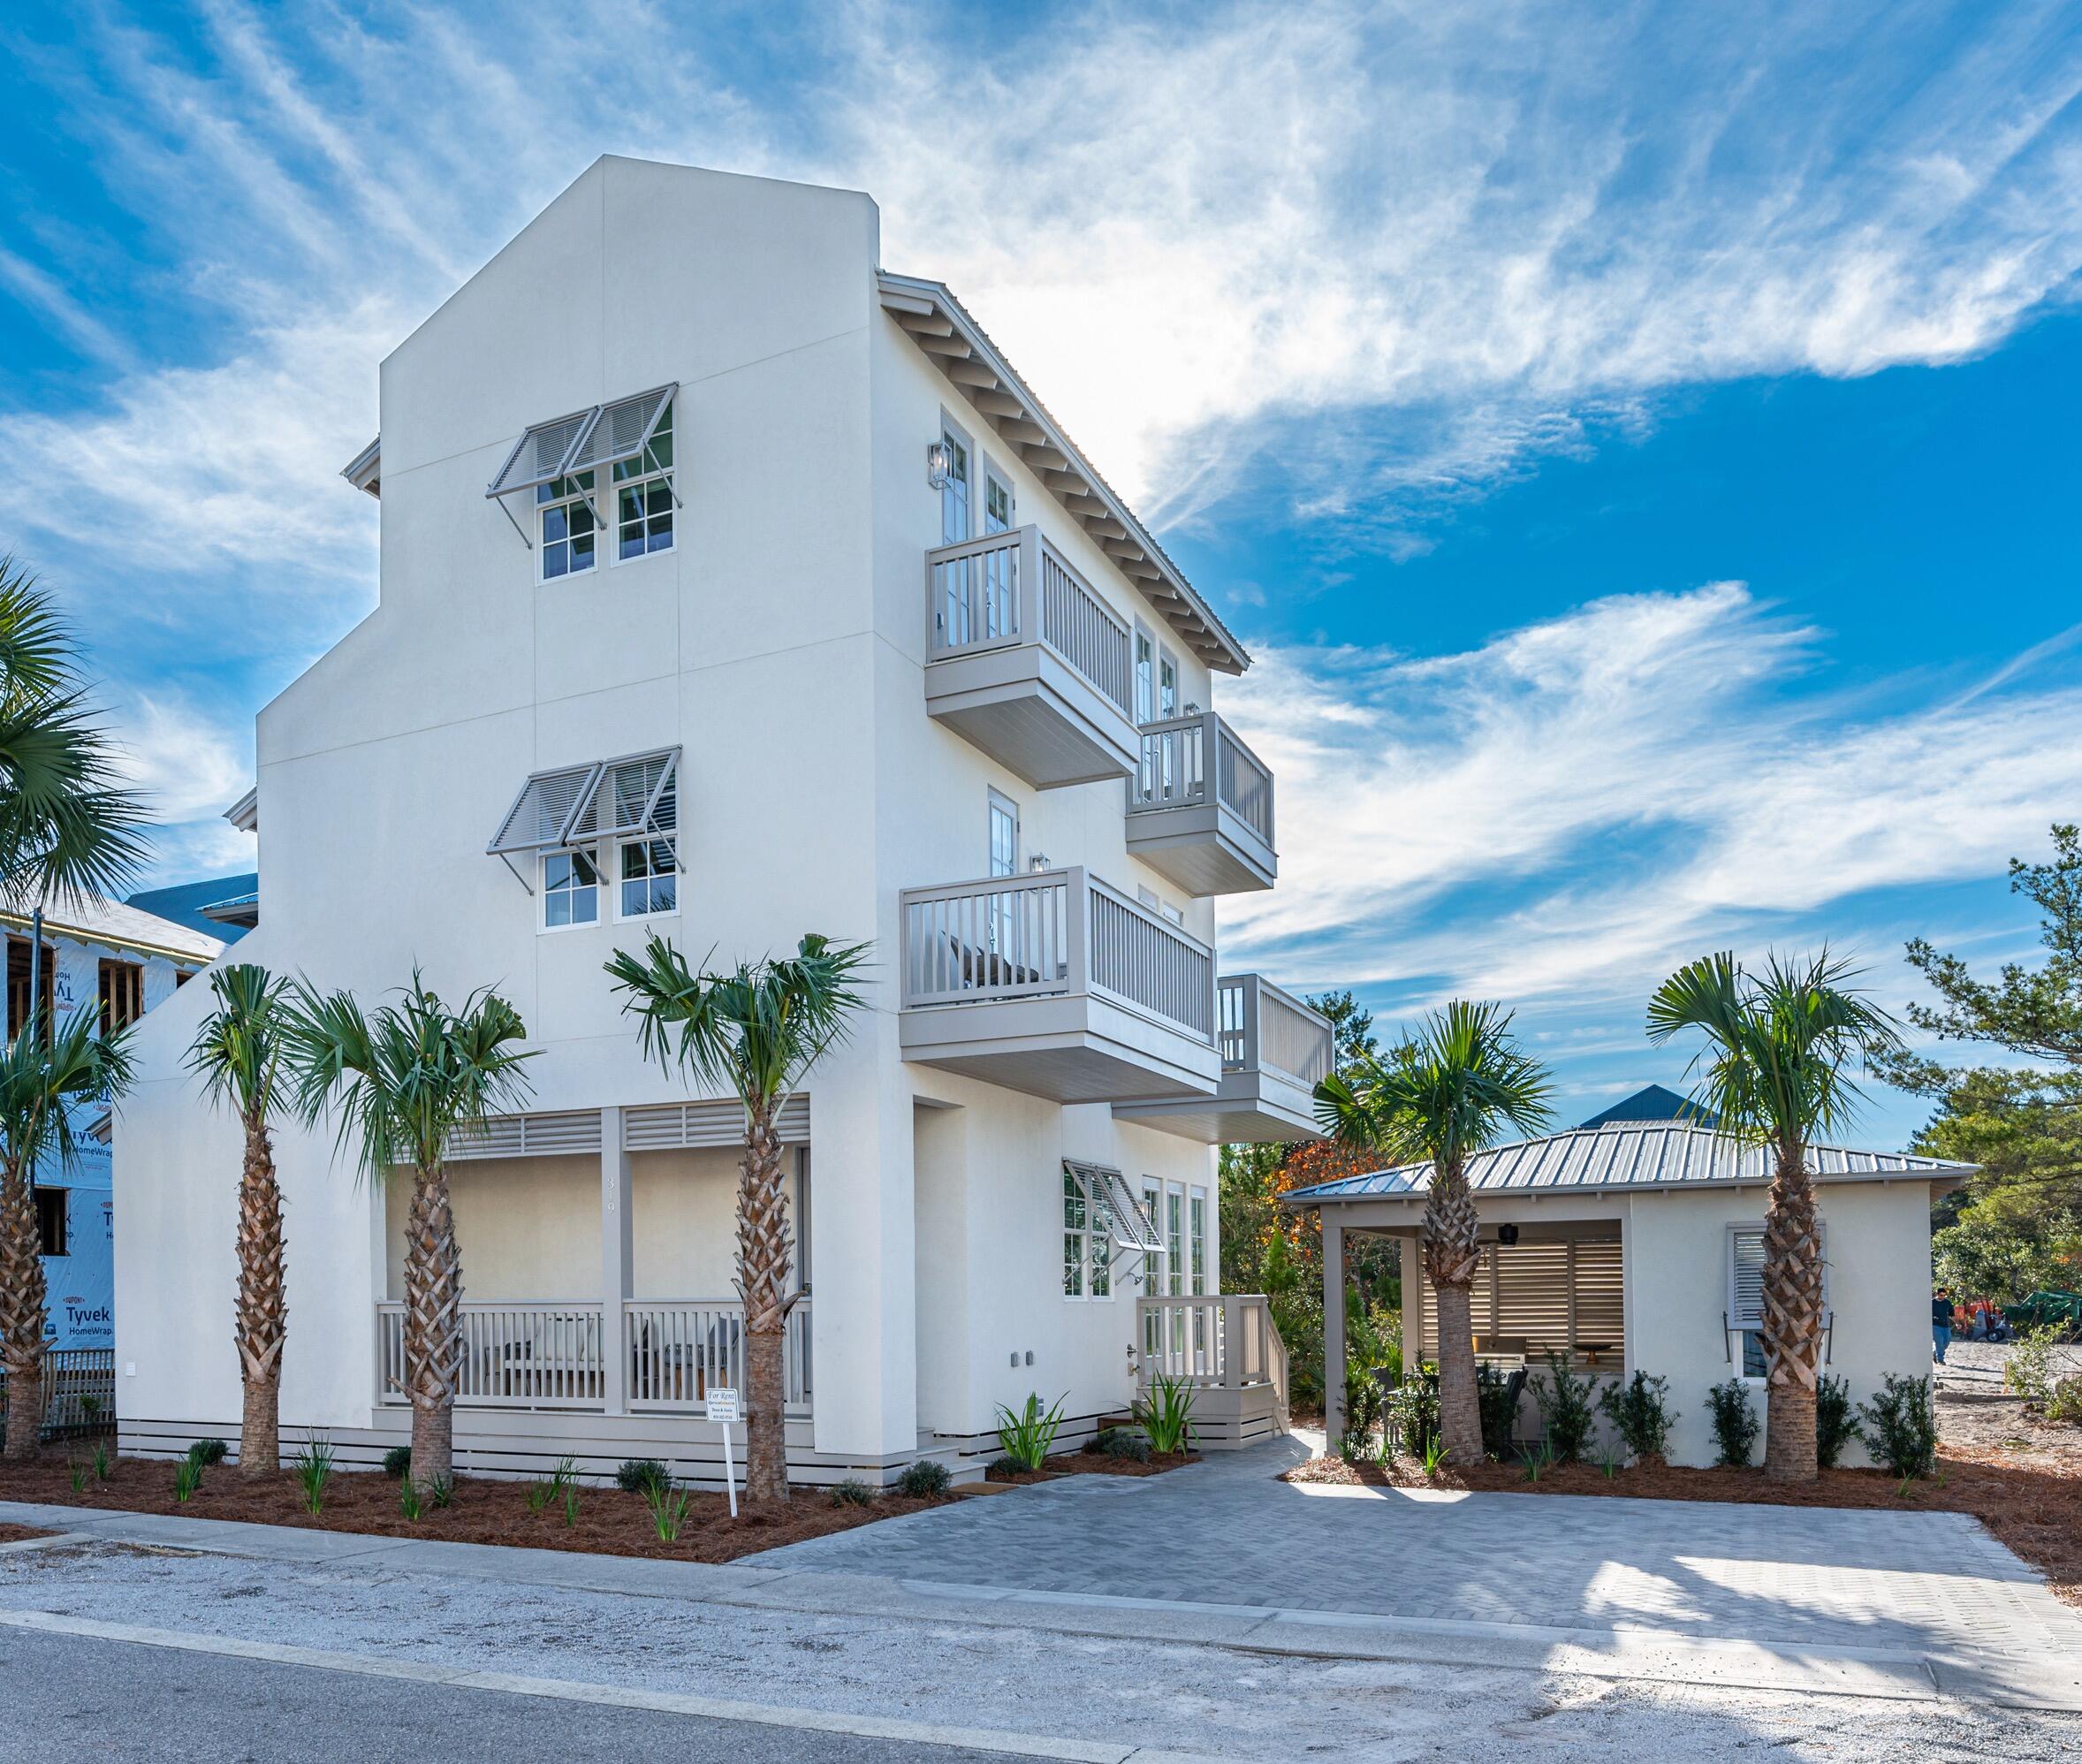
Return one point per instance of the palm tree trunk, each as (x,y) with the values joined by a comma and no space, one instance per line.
(261,1323)
(1452,1252)
(433,1326)
(21,1311)
(762,1264)
(1792,1319)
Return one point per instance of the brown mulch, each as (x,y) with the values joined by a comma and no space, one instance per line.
(1089,1463)
(2029,1497)
(16,1533)
(610,1520)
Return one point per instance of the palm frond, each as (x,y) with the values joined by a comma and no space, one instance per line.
(237,1048)
(44,1077)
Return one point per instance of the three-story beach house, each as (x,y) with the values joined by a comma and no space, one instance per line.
(733,587)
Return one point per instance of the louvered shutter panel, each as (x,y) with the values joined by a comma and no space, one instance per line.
(541,453)
(631,797)
(1745,1277)
(536,820)
(624,430)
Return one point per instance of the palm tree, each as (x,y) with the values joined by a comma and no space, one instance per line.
(399,1082)
(1777,1047)
(68,831)
(759,1029)
(1444,1096)
(44,1074)
(237,1052)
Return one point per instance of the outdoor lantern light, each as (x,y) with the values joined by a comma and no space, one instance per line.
(939,464)
(1506,1234)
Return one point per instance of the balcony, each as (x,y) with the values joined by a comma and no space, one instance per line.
(1059,986)
(1206,826)
(1274,1049)
(1026,663)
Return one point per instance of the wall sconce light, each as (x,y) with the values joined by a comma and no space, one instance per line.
(1038,860)
(939,464)
(1506,1234)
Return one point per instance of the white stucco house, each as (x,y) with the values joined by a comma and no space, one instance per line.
(733,587)
(1635,1244)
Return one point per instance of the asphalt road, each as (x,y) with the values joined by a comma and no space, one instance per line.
(72,1697)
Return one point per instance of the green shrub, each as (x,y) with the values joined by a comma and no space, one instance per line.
(852,1493)
(571,1503)
(209,1451)
(2029,1370)
(1166,1415)
(1901,1426)
(104,1465)
(1565,1408)
(1500,1410)
(81,1472)
(408,1499)
(2065,1403)
(1127,1442)
(926,1478)
(1538,1461)
(187,1477)
(398,1460)
(1413,1412)
(641,1475)
(668,1509)
(1834,1426)
(313,1466)
(1027,1437)
(1640,1414)
(1735,1425)
(441,1491)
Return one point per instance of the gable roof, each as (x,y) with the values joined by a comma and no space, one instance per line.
(956,345)
(1628,1156)
(121,927)
(1655,1102)
(190,903)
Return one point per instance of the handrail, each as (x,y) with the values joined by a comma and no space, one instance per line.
(1224,1341)
(1015,587)
(1051,932)
(1174,772)
(1265,1027)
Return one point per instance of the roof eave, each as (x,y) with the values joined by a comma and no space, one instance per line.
(364,471)
(1181,605)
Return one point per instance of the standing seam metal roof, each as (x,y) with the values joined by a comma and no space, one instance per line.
(1625,1155)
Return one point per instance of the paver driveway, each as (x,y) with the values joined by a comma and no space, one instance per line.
(1227,1532)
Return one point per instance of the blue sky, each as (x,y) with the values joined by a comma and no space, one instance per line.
(1637,444)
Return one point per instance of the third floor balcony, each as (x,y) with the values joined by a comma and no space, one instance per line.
(1026,662)
(1200,808)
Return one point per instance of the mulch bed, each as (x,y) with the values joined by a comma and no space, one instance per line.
(17,1533)
(610,1520)
(2029,1497)
(1088,1462)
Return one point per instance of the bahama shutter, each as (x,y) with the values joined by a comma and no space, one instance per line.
(540,816)
(544,453)
(623,432)
(1745,1276)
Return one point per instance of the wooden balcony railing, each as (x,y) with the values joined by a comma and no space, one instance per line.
(1052,932)
(1226,1340)
(1015,587)
(1264,1028)
(1175,773)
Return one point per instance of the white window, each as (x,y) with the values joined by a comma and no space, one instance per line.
(999,507)
(1745,1293)
(1196,1239)
(1145,676)
(644,497)
(571,889)
(1088,1234)
(650,877)
(953,494)
(646,796)
(1174,1240)
(1004,836)
(1166,684)
(564,510)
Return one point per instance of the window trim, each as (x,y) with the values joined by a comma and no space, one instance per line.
(583,495)
(950,429)
(542,913)
(1093,1236)
(621,852)
(666,476)
(1000,803)
(993,473)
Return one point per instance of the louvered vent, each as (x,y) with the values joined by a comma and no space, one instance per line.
(550,1134)
(676,1127)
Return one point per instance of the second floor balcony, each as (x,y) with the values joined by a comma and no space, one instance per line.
(1026,662)
(1055,984)
(1200,808)
(1274,1052)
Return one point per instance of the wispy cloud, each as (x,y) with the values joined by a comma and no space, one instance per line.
(1568,811)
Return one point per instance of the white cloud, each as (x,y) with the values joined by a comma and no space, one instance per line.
(1571,809)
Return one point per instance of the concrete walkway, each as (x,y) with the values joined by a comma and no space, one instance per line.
(1916,1606)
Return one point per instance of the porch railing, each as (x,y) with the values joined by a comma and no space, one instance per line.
(78,1390)
(1048,932)
(1224,1340)
(1015,587)
(678,1347)
(1175,772)
(551,1355)
(1264,1027)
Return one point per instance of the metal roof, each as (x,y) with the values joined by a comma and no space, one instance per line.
(1627,1155)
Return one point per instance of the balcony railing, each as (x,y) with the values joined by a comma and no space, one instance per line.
(1226,1340)
(1265,1029)
(528,1355)
(1175,773)
(982,595)
(1053,931)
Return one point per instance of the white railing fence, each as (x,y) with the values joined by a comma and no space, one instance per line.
(1052,932)
(979,595)
(1263,1027)
(550,1356)
(1224,1340)
(1174,771)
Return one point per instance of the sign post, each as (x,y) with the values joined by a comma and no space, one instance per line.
(723,1409)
